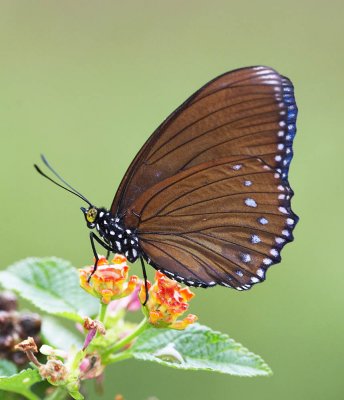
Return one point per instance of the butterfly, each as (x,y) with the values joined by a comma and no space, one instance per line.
(206,200)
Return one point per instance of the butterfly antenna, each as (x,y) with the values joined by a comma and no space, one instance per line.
(70,190)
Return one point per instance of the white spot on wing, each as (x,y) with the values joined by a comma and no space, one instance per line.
(260,272)
(237,167)
(255,239)
(250,203)
(245,257)
(274,252)
(263,221)
(247,183)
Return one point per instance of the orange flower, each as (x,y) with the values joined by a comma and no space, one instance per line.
(167,302)
(109,282)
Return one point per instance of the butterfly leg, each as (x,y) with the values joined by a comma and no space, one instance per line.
(108,254)
(145,278)
(93,238)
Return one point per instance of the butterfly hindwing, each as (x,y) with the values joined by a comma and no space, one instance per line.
(222,222)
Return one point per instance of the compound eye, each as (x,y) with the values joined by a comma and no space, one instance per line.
(91,215)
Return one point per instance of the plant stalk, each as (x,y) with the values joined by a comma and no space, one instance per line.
(102,312)
(143,325)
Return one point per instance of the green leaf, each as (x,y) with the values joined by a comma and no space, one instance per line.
(58,336)
(21,383)
(8,395)
(7,368)
(52,285)
(198,347)
(76,395)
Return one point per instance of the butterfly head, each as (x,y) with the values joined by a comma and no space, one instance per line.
(91,216)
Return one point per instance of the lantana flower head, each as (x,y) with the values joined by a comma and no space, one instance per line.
(110,281)
(167,302)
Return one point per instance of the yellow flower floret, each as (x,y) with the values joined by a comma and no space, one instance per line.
(110,281)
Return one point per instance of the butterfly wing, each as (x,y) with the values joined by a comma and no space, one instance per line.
(222,222)
(246,112)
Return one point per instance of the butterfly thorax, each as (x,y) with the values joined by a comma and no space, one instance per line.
(121,239)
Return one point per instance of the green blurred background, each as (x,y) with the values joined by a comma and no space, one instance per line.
(86,82)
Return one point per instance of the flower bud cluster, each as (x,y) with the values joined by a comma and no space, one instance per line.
(15,327)
(167,302)
(110,281)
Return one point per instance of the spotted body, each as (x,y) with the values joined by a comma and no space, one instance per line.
(116,235)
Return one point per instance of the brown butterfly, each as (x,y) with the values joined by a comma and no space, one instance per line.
(207,199)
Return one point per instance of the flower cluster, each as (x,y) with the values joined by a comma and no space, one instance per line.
(110,281)
(167,302)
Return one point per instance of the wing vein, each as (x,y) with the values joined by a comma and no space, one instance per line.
(219,127)
(204,186)
(192,255)
(206,116)
(216,198)
(206,167)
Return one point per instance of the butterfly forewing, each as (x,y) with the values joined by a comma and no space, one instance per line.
(248,112)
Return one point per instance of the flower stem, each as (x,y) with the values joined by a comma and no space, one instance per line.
(102,312)
(33,358)
(112,358)
(142,326)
